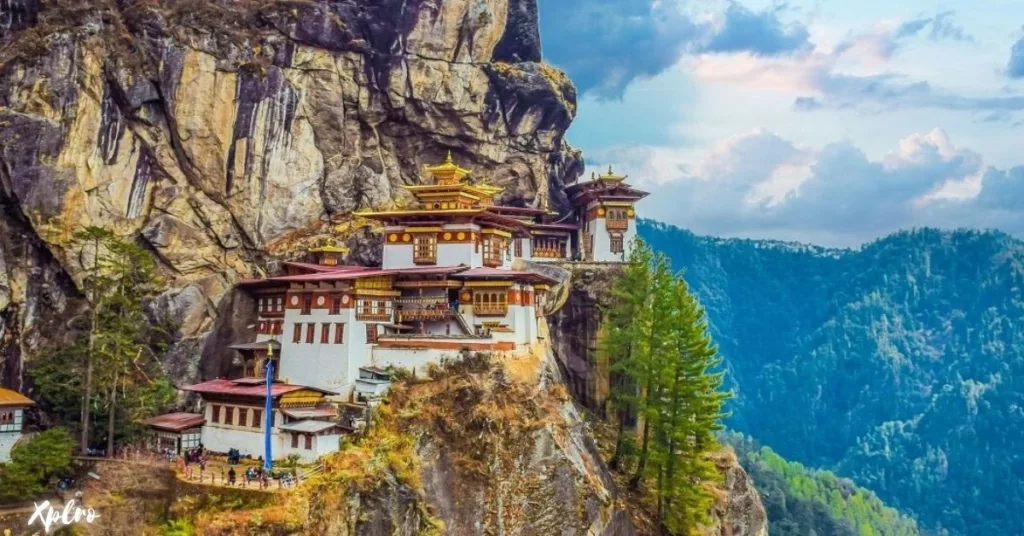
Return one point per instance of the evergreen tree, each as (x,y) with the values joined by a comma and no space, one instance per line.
(692,415)
(655,321)
(114,370)
(657,339)
(623,322)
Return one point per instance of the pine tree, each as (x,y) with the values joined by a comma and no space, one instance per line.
(623,321)
(114,367)
(693,416)
(657,323)
(666,367)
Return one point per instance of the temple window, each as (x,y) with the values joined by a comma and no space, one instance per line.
(339,333)
(425,249)
(325,333)
(371,334)
(257,417)
(548,248)
(493,251)
(307,303)
(215,413)
(229,415)
(243,416)
(616,243)
(295,441)
(309,441)
(490,303)
(335,304)
(616,219)
(310,332)
(297,333)
(373,310)
(519,247)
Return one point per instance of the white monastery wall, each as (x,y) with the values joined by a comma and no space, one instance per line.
(327,366)
(7,441)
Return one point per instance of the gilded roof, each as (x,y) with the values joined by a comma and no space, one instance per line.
(13,398)
(449,172)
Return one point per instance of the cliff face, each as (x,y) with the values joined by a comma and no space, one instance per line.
(224,135)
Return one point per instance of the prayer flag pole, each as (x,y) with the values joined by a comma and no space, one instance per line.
(268,410)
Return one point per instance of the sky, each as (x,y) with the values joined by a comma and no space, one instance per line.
(833,122)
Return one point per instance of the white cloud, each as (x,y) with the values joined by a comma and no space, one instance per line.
(761,185)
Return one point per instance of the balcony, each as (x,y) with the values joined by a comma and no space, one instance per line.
(424,314)
(545,253)
(375,316)
(617,224)
(481,309)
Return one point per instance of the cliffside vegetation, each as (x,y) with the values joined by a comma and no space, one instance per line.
(664,376)
(35,465)
(898,365)
(803,501)
(111,376)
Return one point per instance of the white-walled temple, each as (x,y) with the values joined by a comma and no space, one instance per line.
(455,277)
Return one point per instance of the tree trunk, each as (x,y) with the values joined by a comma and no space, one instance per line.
(620,439)
(634,482)
(87,394)
(112,418)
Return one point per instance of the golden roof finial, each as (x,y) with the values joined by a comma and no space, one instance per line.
(448,173)
(328,245)
(611,176)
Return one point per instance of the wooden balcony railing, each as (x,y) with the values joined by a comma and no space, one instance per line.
(617,224)
(424,257)
(366,316)
(547,253)
(423,315)
(480,309)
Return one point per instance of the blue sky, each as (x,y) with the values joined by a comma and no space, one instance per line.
(829,121)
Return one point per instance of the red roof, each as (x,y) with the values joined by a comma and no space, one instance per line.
(323,267)
(371,272)
(485,272)
(310,413)
(247,387)
(176,422)
(519,210)
(559,226)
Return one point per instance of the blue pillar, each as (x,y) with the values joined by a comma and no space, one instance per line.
(269,411)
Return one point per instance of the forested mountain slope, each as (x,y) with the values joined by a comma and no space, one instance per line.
(800,500)
(899,364)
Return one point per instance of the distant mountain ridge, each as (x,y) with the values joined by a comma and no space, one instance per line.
(899,364)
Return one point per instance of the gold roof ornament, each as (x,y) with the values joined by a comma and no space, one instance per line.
(449,173)
(329,246)
(611,176)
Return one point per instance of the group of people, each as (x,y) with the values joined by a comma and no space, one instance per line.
(197,455)
(252,474)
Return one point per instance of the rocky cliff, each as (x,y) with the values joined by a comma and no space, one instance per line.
(226,134)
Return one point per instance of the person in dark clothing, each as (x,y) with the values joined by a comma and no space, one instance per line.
(231,476)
